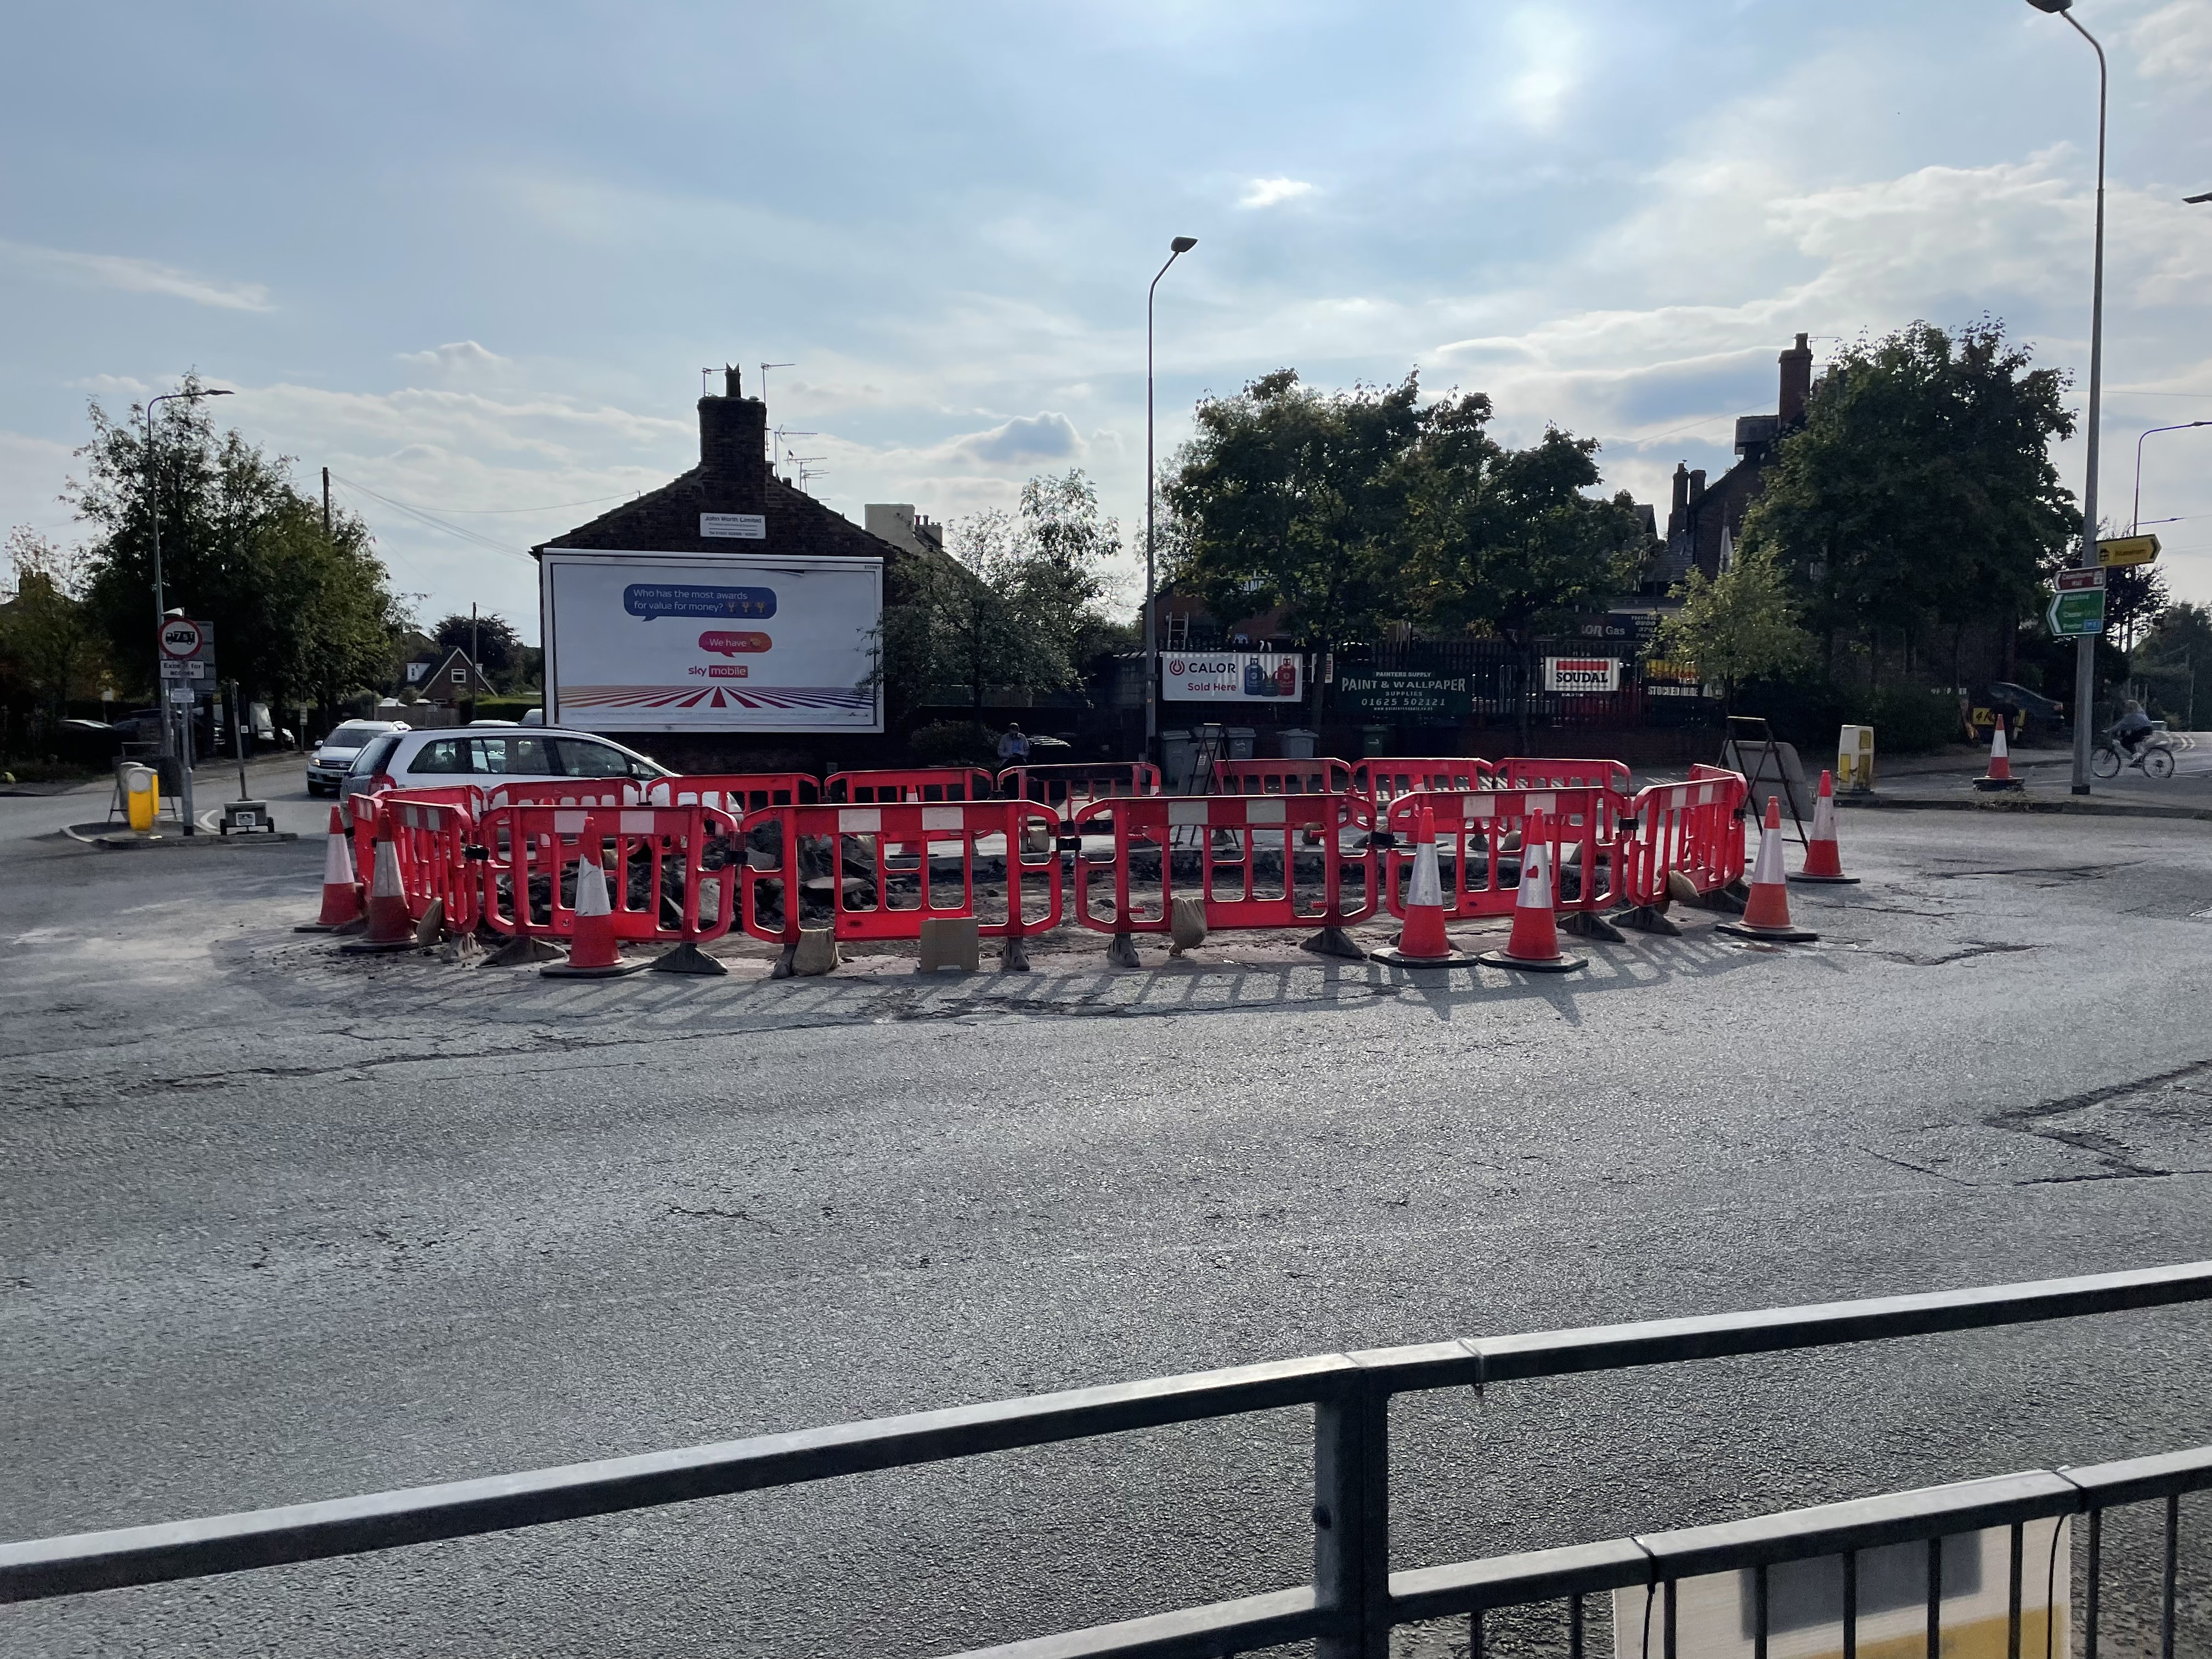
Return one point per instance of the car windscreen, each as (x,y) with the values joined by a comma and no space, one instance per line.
(372,759)
(351,735)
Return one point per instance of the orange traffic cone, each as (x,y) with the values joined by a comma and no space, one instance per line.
(1999,776)
(594,952)
(340,892)
(1766,912)
(390,927)
(1824,860)
(1422,942)
(1533,944)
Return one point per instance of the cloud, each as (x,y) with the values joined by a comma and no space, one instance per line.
(112,386)
(1266,192)
(1043,437)
(2175,40)
(1552,53)
(131,276)
(455,356)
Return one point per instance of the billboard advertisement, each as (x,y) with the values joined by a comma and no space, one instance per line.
(1582,673)
(1231,676)
(710,642)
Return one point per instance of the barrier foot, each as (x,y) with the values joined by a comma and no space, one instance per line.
(1561,964)
(1588,924)
(688,958)
(432,926)
(522,951)
(1122,952)
(784,958)
(1334,942)
(1645,918)
(461,950)
(1016,957)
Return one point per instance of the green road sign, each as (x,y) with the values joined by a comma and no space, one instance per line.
(2079,612)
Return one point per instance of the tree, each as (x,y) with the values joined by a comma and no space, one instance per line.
(46,637)
(2175,657)
(499,649)
(1288,498)
(298,614)
(1741,625)
(1920,490)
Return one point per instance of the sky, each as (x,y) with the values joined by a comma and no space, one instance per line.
(472,257)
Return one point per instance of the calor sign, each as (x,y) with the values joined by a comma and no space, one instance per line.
(1582,673)
(1231,676)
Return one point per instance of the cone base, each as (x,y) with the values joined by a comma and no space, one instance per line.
(1559,965)
(1391,956)
(353,927)
(370,947)
(1827,881)
(1990,786)
(612,970)
(1771,935)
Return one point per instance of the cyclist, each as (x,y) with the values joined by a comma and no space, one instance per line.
(2131,728)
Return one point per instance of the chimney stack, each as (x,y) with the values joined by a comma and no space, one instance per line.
(1682,485)
(1797,385)
(1697,486)
(733,450)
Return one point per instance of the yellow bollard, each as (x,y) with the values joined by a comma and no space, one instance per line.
(142,798)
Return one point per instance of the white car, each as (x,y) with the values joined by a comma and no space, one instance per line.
(439,759)
(334,756)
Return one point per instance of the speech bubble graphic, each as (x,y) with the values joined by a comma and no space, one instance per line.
(728,645)
(651,600)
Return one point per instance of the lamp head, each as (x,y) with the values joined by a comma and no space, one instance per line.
(2054,7)
(1183,244)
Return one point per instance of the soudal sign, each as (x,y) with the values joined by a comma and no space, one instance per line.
(1233,677)
(1582,673)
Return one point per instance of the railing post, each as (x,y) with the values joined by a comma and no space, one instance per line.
(1351,1520)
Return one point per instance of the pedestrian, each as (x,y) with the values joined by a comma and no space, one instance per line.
(1013,746)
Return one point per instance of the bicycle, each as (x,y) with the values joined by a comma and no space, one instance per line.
(2155,758)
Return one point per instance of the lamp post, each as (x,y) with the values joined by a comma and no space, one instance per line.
(169,746)
(1177,249)
(2085,648)
(2135,515)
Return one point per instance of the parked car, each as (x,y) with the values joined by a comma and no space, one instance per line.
(440,759)
(334,756)
(2039,718)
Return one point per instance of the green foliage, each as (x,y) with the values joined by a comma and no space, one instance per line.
(506,709)
(2174,658)
(499,649)
(49,642)
(1907,720)
(956,743)
(1739,626)
(299,615)
(1920,489)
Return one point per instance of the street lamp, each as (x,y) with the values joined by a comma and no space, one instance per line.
(1177,249)
(2134,517)
(161,605)
(2085,648)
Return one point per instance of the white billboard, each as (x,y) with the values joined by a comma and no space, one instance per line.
(1582,673)
(1231,676)
(710,642)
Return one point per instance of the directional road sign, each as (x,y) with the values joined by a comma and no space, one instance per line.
(2127,550)
(2078,607)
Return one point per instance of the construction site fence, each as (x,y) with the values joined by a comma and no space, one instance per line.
(1319,776)
(671,872)
(1069,786)
(1483,837)
(1354,1600)
(1695,830)
(929,783)
(879,871)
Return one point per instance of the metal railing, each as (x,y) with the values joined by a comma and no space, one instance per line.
(1354,1600)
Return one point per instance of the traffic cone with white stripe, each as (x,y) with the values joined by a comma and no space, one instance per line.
(594,952)
(1766,912)
(1422,942)
(390,928)
(341,892)
(1999,776)
(1824,860)
(1533,944)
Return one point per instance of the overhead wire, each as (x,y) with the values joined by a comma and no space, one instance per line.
(433,520)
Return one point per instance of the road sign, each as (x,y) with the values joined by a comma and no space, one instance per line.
(2079,605)
(183,639)
(2127,550)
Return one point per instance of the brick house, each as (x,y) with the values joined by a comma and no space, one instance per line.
(1705,522)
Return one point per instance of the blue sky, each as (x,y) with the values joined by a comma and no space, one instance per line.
(472,257)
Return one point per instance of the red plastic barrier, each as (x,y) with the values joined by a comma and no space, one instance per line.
(567,792)
(1323,776)
(1542,772)
(1694,830)
(1068,787)
(735,793)
(1383,778)
(937,783)
(898,852)
(1227,837)
(432,833)
(1482,877)
(672,875)
(364,811)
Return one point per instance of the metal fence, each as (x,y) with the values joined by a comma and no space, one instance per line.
(1354,1600)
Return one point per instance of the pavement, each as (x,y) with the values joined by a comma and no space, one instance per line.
(2047,776)
(280,1225)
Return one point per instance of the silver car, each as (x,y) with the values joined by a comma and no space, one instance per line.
(333,757)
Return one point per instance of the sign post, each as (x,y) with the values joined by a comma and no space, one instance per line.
(2077,609)
(186,650)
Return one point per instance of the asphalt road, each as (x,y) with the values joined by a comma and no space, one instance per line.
(278,1227)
